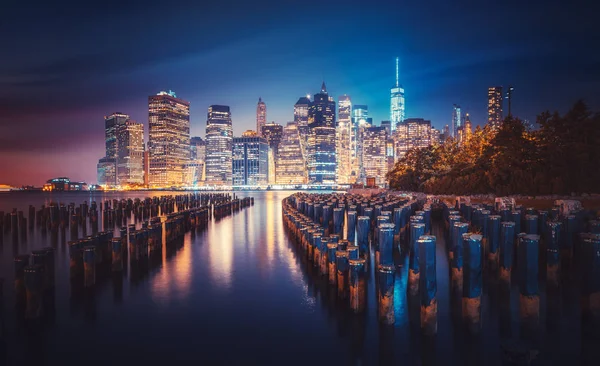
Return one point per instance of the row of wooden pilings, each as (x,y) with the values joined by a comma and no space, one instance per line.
(559,246)
(474,236)
(377,225)
(101,253)
(114,212)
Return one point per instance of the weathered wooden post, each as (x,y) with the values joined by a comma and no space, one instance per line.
(553,239)
(357,285)
(460,228)
(428,285)
(386,293)
(472,282)
(493,239)
(507,243)
(528,282)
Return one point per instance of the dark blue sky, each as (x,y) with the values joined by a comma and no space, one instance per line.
(64,67)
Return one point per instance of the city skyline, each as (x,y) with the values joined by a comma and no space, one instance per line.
(60,78)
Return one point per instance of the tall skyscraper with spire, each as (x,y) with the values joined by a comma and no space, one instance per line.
(261,116)
(321,139)
(397,112)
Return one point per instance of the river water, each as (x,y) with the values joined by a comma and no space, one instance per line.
(239,293)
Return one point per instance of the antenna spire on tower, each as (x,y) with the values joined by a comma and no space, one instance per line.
(397,77)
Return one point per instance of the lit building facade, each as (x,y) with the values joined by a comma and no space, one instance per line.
(397,106)
(464,131)
(261,116)
(321,139)
(168,139)
(130,153)
(456,120)
(291,164)
(273,133)
(195,169)
(107,172)
(301,119)
(250,161)
(111,124)
(361,121)
(344,142)
(375,153)
(219,146)
(410,134)
(495,106)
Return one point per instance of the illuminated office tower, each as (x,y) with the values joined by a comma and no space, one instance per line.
(272,132)
(397,110)
(195,168)
(261,116)
(360,120)
(301,118)
(495,106)
(390,151)
(168,139)
(456,120)
(344,142)
(468,129)
(321,139)
(219,146)
(106,170)
(250,161)
(291,165)
(375,153)
(130,153)
(437,137)
(464,131)
(412,133)
(388,126)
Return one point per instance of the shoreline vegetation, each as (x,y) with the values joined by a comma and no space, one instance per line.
(557,156)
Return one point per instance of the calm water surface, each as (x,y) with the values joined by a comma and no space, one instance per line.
(238,292)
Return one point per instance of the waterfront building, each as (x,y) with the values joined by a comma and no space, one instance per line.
(64,184)
(111,123)
(301,118)
(219,146)
(272,132)
(344,142)
(291,164)
(375,153)
(250,161)
(107,172)
(261,116)
(321,139)
(397,108)
(195,169)
(495,106)
(412,133)
(360,121)
(456,120)
(130,154)
(168,139)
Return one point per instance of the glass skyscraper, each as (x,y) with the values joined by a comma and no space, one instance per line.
(397,110)
(456,120)
(168,139)
(360,121)
(219,146)
(345,142)
(412,133)
(375,152)
(107,173)
(250,161)
(301,118)
(261,116)
(321,139)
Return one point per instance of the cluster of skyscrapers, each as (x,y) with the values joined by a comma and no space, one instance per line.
(316,148)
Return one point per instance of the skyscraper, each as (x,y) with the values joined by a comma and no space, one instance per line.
(412,133)
(168,139)
(344,142)
(361,121)
(291,166)
(495,106)
(107,174)
(272,132)
(301,119)
(321,139)
(375,148)
(456,120)
(397,110)
(130,153)
(195,168)
(250,161)
(261,116)
(219,146)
